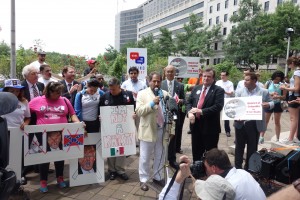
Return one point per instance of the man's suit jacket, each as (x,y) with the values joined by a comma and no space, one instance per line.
(27,92)
(178,89)
(66,93)
(209,122)
(148,116)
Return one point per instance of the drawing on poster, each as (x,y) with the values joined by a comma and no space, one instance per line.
(90,168)
(87,164)
(118,131)
(52,142)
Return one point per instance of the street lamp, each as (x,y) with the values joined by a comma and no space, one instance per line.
(289,32)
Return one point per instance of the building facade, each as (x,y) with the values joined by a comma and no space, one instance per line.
(126,26)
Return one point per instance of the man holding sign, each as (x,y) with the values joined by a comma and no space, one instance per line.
(247,131)
(115,97)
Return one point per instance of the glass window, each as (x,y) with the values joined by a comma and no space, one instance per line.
(210,9)
(207,61)
(224,31)
(217,20)
(235,2)
(266,8)
(218,7)
(226,4)
(216,46)
(279,2)
(209,22)
(225,17)
(294,1)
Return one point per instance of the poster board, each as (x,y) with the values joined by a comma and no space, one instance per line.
(15,151)
(186,66)
(117,131)
(137,57)
(242,108)
(52,142)
(90,169)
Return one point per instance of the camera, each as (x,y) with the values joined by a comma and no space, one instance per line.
(198,169)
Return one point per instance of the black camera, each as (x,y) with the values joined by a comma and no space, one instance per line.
(198,169)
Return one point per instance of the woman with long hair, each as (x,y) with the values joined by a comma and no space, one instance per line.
(293,89)
(51,108)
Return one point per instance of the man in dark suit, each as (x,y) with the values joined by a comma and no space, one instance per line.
(71,86)
(174,87)
(203,107)
(33,88)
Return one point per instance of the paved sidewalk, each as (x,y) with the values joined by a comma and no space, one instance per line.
(119,189)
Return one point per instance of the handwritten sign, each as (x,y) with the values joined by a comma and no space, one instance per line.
(52,142)
(242,108)
(117,131)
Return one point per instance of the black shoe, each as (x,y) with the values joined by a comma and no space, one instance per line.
(123,176)
(228,134)
(160,183)
(23,180)
(174,165)
(112,176)
(179,151)
(144,187)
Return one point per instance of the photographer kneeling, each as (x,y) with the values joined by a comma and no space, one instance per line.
(214,188)
(217,162)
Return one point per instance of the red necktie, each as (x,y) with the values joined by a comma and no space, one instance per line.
(201,101)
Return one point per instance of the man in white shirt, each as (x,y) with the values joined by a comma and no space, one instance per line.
(46,73)
(229,91)
(40,61)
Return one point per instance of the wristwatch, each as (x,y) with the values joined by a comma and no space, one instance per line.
(296,184)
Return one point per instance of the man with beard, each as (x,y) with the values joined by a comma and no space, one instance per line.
(46,73)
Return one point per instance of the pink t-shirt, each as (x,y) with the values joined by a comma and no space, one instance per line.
(51,111)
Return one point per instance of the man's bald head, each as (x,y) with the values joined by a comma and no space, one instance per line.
(170,72)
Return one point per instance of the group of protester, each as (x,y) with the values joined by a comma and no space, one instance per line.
(45,100)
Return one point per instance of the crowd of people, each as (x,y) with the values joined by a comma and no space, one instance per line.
(68,100)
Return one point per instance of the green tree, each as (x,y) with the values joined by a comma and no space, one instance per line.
(241,45)
(118,67)
(165,43)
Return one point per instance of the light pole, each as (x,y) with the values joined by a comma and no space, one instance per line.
(13,41)
(289,32)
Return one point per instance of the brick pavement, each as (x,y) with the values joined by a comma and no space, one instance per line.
(130,190)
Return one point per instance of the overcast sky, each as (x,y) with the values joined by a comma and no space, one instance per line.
(77,27)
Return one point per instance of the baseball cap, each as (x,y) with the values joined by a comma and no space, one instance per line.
(214,188)
(13,83)
(41,53)
(91,61)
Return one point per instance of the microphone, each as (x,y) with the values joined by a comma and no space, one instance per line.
(156,91)
(172,105)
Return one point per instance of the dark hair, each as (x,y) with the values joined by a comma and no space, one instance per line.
(218,158)
(252,75)
(131,69)
(21,93)
(93,83)
(53,87)
(154,73)
(211,70)
(278,74)
(249,69)
(65,69)
(226,72)
(113,81)
(294,60)
(43,66)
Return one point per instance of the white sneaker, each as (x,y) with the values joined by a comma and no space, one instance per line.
(286,141)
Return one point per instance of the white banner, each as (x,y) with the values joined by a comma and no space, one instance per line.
(53,142)
(187,66)
(242,108)
(90,168)
(117,131)
(137,57)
